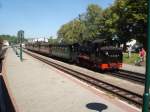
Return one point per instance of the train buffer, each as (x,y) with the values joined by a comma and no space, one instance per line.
(37,87)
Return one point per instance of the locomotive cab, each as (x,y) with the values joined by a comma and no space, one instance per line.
(108,54)
(101,54)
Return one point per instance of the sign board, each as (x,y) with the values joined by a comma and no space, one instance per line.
(20,36)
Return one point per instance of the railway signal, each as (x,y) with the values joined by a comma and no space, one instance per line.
(146,96)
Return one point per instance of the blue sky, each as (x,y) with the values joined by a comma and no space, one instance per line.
(41,18)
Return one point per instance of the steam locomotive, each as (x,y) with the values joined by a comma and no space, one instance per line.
(101,54)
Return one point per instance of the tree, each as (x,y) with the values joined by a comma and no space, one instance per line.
(125,19)
(71,32)
(51,40)
(108,24)
(85,27)
(137,19)
(92,21)
(132,21)
(9,38)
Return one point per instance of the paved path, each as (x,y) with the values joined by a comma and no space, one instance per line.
(37,87)
(139,69)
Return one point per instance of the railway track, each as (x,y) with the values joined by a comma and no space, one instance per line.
(131,76)
(119,92)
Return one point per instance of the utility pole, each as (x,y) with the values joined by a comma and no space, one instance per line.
(146,96)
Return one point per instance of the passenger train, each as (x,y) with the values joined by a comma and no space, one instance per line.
(100,54)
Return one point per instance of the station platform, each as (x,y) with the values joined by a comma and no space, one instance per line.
(133,68)
(37,87)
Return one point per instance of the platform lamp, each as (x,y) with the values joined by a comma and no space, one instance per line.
(20,37)
(146,96)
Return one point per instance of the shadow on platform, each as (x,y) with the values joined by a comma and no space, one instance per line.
(96,106)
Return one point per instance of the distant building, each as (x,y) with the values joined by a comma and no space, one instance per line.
(38,40)
(20,35)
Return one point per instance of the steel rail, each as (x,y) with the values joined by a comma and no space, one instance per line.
(131,76)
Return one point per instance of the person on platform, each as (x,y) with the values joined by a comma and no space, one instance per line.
(142,55)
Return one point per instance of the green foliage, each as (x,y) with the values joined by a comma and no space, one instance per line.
(10,39)
(134,57)
(126,19)
(93,21)
(86,27)
(71,32)
(53,41)
(109,27)
(132,21)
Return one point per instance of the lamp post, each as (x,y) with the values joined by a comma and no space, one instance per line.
(146,96)
(20,37)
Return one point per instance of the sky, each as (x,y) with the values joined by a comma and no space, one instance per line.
(41,18)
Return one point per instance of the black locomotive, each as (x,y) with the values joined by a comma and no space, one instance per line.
(100,54)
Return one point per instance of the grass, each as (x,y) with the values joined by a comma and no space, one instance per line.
(131,60)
